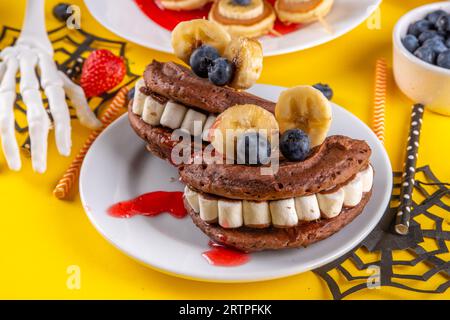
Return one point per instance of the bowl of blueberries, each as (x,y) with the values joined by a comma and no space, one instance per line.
(422,56)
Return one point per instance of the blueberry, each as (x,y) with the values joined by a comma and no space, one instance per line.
(325,89)
(60,11)
(420,26)
(294,145)
(202,58)
(443,23)
(437,45)
(221,71)
(426,54)
(242,2)
(253,148)
(443,60)
(130,94)
(410,42)
(435,15)
(430,34)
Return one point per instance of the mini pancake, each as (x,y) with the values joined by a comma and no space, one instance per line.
(306,11)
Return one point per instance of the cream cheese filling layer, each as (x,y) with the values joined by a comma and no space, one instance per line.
(284,213)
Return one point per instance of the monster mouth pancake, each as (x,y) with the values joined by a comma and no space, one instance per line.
(321,183)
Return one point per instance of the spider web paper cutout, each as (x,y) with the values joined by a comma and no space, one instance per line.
(425,247)
(71,47)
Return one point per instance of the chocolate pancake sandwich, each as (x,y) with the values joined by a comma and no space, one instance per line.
(276,179)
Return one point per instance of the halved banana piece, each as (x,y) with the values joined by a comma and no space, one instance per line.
(231,10)
(305,108)
(189,35)
(247,57)
(237,120)
(331,204)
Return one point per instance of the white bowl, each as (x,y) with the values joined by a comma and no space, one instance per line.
(420,81)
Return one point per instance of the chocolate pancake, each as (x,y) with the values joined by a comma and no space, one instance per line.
(306,233)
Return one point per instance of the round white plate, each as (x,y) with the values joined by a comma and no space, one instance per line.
(124,18)
(117,167)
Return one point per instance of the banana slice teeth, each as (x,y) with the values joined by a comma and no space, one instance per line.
(189,35)
(256,214)
(192,198)
(331,204)
(230,10)
(138,98)
(208,124)
(173,115)
(305,108)
(209,211)
(153,111)
(247,56)
(193,122)
(353,192)
(367,178)
(230,214)
(307,208)
(283,213)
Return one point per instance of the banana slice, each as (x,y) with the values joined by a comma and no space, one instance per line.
(367,178)
(247,56)
(237,120)
(305,108)
(353,192)
(189,35)
(208,209)
(307,208)
(231,10)
(208,124)
(256,214)
(193,122)
(192,198)
(153,111)
(230,214)
(138,98)
(173,115)
(283,213)
(330,204)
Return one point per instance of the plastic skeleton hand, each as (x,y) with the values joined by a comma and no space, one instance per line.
(33,50)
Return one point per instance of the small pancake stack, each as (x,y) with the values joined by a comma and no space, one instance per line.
(319,183)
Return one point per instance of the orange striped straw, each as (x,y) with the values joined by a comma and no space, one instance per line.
(65,185)
(379,105)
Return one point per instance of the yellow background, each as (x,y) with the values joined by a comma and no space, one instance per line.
(41,236)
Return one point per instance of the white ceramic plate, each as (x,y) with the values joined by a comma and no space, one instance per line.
(124,18)
(117,167)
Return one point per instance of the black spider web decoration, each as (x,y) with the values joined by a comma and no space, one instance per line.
(349,273)
(71,47)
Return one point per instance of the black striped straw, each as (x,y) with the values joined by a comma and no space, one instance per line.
(409,170)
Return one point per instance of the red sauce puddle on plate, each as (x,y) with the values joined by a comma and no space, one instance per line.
(223,256)
(168,19)
(150,204)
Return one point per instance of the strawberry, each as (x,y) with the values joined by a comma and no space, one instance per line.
(101,72)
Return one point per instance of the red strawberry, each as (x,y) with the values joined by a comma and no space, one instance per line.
(101,72)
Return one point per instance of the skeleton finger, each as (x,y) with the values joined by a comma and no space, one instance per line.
(38,121)
(53,87)
(79,102)
(8,71)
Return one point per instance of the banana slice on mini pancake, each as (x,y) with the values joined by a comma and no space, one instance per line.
(189,35)
(247,56)
(231,10)
(181,5)
(302,11)
(305,108)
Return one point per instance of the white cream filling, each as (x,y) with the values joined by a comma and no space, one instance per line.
(281,213)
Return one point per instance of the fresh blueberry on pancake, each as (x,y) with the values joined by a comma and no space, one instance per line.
(202,58)
(294,145)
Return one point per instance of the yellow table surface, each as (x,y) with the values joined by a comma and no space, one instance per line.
(41,237)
